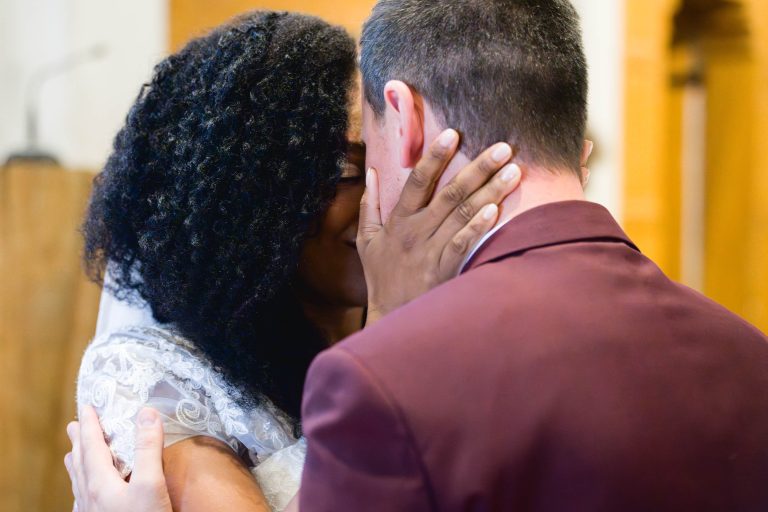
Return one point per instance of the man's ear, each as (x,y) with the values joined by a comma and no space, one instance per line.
(407,112)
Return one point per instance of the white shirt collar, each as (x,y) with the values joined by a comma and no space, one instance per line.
(482,241)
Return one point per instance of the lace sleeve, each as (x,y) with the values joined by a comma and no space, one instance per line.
(123,372)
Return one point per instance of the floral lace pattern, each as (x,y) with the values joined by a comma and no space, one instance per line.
(121,372)
(280,474)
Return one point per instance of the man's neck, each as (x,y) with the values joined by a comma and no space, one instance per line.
(538,186)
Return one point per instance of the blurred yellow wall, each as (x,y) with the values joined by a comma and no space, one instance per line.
(190,18)
(734,45)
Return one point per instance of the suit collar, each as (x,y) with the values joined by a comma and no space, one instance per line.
(550,224)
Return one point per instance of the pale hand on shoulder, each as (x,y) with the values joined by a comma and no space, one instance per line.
(97,484)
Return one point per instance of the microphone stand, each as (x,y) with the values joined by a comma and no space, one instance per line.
(32,152)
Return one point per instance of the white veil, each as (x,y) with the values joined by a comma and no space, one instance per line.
(115,314)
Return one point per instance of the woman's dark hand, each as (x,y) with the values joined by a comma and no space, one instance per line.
(425,242)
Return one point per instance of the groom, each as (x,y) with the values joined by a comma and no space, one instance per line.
(561,370)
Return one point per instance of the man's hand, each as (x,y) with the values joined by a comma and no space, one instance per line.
(96,483)
(424,243)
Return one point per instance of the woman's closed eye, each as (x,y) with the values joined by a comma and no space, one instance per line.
(351,174)
(353,170)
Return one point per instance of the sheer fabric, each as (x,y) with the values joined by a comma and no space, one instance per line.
(127,367)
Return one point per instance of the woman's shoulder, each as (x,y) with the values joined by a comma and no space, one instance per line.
(140,338)
(142,357)
(152,353)
(135,367)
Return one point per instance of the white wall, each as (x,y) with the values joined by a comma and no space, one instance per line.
(604,35)
(82,110)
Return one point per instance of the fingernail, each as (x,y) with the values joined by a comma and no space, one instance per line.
(490,211)
(510,172)
(147,417)
(447,138)
(502,152)
(369,177)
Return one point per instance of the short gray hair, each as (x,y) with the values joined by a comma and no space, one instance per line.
(496,70)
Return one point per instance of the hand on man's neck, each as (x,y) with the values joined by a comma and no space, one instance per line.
(396,142)
(539,186)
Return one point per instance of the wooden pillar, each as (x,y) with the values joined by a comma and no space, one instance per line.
(730,161)
(651,177)
(48,315)
(756,302)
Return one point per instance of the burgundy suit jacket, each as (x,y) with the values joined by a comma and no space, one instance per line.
(562,371)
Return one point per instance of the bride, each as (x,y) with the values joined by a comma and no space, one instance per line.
(223,227)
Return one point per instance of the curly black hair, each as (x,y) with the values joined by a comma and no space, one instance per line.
(227,160)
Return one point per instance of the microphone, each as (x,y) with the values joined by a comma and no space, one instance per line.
(32,152)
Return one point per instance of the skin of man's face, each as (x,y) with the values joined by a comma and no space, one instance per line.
(381,144)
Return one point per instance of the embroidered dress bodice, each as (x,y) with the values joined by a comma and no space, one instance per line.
(151,366)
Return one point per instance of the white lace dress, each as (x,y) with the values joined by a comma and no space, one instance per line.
(134,367)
